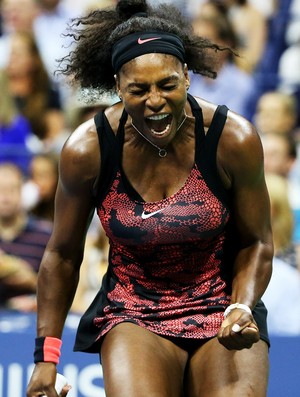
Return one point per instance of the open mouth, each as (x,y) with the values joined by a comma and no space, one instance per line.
(159,124)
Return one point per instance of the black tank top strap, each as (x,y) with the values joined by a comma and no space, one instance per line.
(110,150)
(213,134)
(207,160)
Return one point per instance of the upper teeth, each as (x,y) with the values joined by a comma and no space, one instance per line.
(158,117)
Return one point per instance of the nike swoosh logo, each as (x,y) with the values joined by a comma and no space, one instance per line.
(143,41)
(146,215)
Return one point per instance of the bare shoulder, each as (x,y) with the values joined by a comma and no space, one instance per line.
(240,136)
(240,149)
(235,123)
(113,114)
(80,156)
(238,131)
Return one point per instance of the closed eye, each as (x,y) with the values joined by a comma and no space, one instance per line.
(169,87)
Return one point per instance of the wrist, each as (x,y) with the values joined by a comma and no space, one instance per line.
(47,349)
(239,306)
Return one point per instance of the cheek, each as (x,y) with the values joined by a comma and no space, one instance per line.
(134,106)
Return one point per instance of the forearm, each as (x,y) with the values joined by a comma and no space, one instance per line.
(252,272)
(53,303)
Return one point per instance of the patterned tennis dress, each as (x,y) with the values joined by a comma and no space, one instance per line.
(170,261)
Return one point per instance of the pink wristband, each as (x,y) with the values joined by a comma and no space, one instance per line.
(47,349)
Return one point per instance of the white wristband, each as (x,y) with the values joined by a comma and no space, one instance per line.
(237,306)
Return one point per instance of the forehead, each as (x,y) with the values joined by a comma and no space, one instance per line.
(10,176)
(150,67)
(270,101)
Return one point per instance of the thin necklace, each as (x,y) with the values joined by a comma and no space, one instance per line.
(161,151)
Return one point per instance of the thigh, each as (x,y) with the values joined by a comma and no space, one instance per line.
(214,371)
(139,363)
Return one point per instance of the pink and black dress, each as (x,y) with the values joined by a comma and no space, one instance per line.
(170,261)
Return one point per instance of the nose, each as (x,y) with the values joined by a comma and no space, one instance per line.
(155,101)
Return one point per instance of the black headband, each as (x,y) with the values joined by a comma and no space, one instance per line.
(140,43)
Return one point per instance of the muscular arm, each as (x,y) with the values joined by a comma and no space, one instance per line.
(59,270)
(241,158)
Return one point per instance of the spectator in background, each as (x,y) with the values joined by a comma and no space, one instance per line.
(15,130)
(43,172)
(289,61)
(47,21)
(49,28)
(280,157)
(250,26)
(276,114)
(232,86)
(284,285)
(43,177)
(279,154)
(282,219)
(34,95)
(21,236)
(16,279)
(17,16)
(93,268)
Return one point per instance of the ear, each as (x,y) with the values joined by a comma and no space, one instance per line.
(118,86)
(187,76)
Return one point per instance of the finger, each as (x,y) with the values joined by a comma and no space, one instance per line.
(65,390)
(237,328)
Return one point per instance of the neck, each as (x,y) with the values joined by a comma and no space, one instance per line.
(162,152)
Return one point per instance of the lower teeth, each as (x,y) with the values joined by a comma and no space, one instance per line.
(160,132)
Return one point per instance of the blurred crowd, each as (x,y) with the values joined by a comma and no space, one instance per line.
(39,109)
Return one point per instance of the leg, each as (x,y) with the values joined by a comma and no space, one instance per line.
(138,363)
(215,371)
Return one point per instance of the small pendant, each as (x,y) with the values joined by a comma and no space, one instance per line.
(162,153)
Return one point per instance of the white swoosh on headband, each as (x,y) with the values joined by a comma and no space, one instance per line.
(141,41)
(146,215)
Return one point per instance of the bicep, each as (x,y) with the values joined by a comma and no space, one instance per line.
(252,211)
(74,201)
(73,213)
(251,205)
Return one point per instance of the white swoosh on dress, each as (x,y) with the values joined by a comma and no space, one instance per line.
(146,215)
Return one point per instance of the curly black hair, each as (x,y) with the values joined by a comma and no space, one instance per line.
(89,63)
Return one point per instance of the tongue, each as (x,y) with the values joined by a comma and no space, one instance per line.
(157,125)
